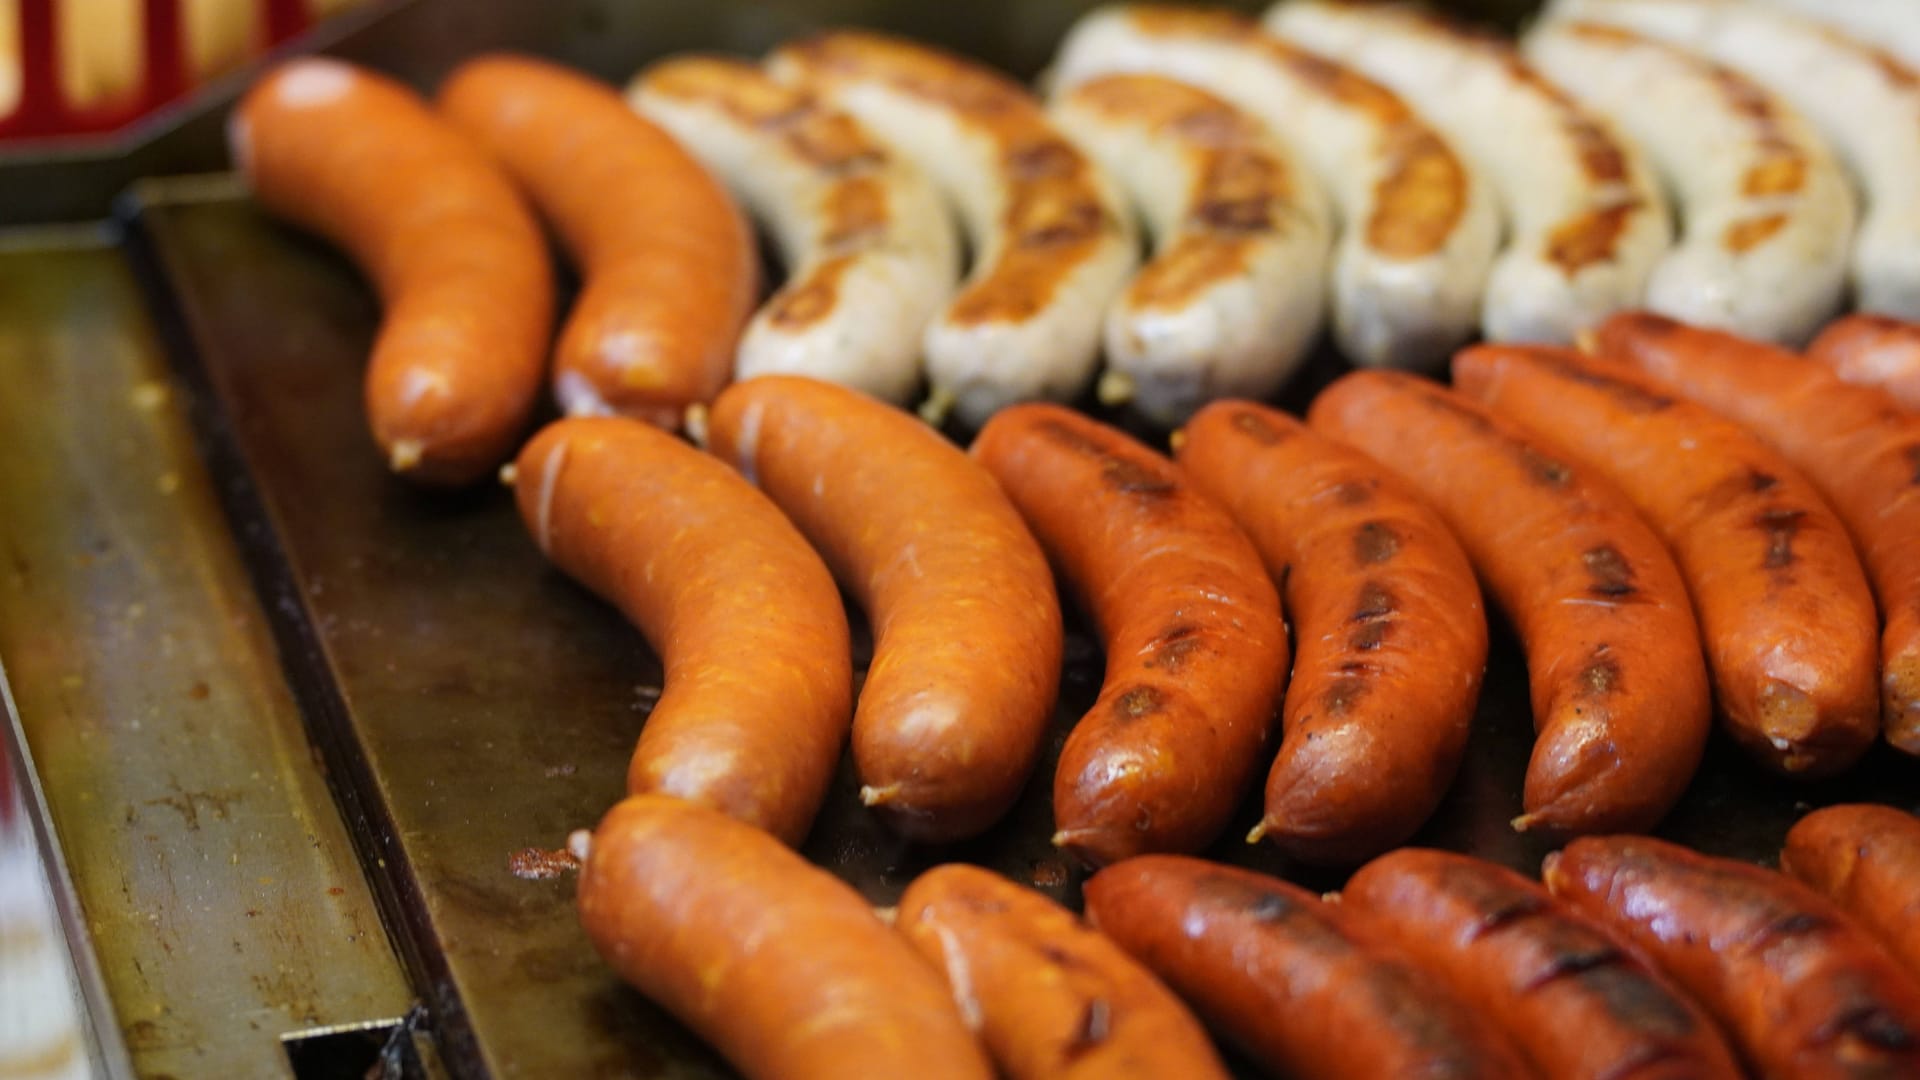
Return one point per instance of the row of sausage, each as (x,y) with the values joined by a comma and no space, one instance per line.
(1663,560)
(1638,959)
(1348,162)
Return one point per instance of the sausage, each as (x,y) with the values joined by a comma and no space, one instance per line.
(870,251)
(1419,228)
(1575,1002)
(1196,652)
(748,625)
(1390,638)
(1802,992)
(1048,996)
(1613,655)
(1873,350)
(1784,607)
(1865,102)
(1853,442)
(779,965)
(1233,298)
(1866,859)
(1586,221)
(1769,213)
(1287,977)
(967,637)
(1052,241)
(667,263)
(457,258)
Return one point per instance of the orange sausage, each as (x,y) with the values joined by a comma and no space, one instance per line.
(1049,997)
(781,966)
(750,629)
(1854,442)
(1784,607)
(1574,1002)
(1865,858)
(1390,641)
(1290,979)
(1619,688)
(1803,992)
(967,639)
(457,258)
(667,262)
(1873,350)
(1196,652)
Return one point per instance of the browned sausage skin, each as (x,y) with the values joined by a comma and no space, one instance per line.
(1196,653)
(1802,991)
(1390,641)
(1865,858)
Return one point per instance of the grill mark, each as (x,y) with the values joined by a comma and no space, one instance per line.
(1780,526)
(1352,493)
(1912,454)
(1043,159)
(1375,602)
(1539,467)
(1749,233)
(1123,475)
(856,213)
(1256,427)
(1869,1023)
(1138,702)
(1599,679)
(1622,391)
(1609,574)
(1589,238)
(1194,263)
(1095,1025)
(1176,645)
(1374,543)
(1343,694)
(1369,636)
(1759,481)
(1508,913)
(1574,963)
(807,302)
(1786,927)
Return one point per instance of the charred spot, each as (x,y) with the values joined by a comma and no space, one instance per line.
(1796,924)
(1624,393)
(1599,154)
(1749,233)
(1912,454)
(1057,956)
(1271,906)
(1171,650)
(1068,226)
(1422,191)
(1871,1024)
(1576,962)
(1758,481)
(1600,678)
(1780,527)
(832,144)
(1609,575)
(1343,694)
(1049,158)
(1352,493)
(1507,913)
(1138,702)
(1375,542)
(1375,603)
(1255,427)
(1096,1023)
(1590,237)
(1124,475)
(1543,469)
(1239,214)
(1369,636)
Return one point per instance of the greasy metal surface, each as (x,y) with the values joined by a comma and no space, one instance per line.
(217,884)
(495,703)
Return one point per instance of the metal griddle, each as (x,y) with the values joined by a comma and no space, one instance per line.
(277,700)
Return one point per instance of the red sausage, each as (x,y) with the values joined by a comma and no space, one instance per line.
(967,641)
(667,261)
(1390,638)
(1289,978)
(778,964)
(1865,858)
(746,619)
(456,256)
(1803,992)
(1196,653)
(1873,350)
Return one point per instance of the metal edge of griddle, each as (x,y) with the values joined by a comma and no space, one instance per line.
(390,874)
(107,1054)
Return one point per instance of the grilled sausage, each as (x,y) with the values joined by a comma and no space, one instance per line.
(456,256)
(1784,607)
(870,251)
(1873,350)
(1865,102)
(1196,653)
(1288,977)
(1802,991)
(1854,442)
(667,262)
(1571,998)
(1419,228)
(749,628)
(967,635)
(1390,638)
(1866,858)
(1613,655)
(1586,221)
(1052,241)
(1234,295)
(1049,997)
(1768,210)
(779,965)
(1888,24)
